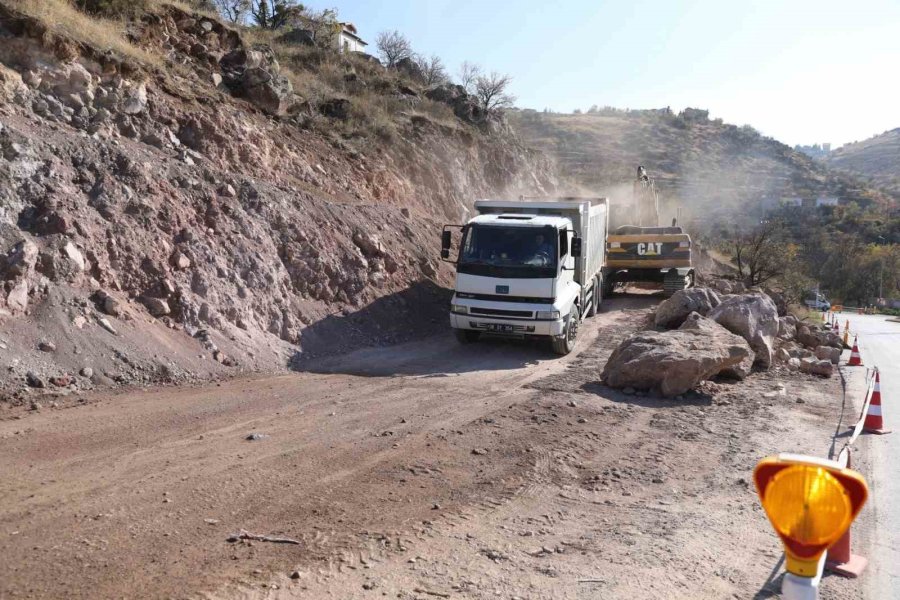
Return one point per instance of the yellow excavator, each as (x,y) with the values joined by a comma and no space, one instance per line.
(642,251)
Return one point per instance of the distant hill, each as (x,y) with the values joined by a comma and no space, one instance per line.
(708,167)
(877,159)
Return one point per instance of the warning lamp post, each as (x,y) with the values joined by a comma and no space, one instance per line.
(811,503)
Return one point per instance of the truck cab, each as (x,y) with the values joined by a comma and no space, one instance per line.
(817,301)
(521,271)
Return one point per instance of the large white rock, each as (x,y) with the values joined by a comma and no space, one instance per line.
(674,310)
(814,366)
(753,317)
(674,361)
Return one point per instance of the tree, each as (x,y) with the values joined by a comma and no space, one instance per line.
(491,91)
(275,14)
(235,11)
(468,74)
(433,70)
(393,47)
(324,26)
(762,253)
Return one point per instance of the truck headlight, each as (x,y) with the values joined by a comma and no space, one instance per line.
(547,315)
(459,309)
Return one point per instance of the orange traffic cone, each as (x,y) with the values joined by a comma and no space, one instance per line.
(874,422)
(855,358)
(841,561)
(836,328)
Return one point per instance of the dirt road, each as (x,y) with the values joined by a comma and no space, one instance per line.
(417,471)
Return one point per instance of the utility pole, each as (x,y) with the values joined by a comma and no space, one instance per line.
(880,272)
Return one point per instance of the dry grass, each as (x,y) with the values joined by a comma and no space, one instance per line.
(63,19)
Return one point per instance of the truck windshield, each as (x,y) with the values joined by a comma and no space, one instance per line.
(497,251)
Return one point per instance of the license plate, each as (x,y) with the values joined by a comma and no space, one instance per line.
(500,328)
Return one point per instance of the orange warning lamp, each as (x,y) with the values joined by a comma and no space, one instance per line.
(811,502)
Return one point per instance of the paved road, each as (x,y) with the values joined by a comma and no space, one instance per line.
(879,341)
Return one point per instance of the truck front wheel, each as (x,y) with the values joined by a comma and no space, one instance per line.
(466,336)
(565,343)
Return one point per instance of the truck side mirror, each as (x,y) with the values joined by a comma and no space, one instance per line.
(576,247)
(446,242)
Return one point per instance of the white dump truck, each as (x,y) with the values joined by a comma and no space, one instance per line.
(528,268)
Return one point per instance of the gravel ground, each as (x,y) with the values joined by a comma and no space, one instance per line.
(421,470)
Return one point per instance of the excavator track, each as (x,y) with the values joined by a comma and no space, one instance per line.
(676,283)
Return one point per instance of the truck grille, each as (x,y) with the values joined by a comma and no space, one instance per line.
(494,328)
(497,312)
(504,298)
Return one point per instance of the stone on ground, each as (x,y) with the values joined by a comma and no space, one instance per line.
(753,317)
(674,361)
(674,311)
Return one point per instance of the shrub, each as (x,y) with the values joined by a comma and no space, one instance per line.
(112,8)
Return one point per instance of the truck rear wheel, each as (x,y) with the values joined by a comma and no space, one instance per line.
(466,336)
(609,285)
(565,343)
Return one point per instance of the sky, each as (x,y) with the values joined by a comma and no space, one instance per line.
(801,71)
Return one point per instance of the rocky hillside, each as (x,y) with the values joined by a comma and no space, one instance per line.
(177,202)
(705,166)
(877,159)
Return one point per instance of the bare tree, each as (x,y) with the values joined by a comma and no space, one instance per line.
(234,11)
(393,47)
(491,91)
(761,254)
(433,70)
(468,75)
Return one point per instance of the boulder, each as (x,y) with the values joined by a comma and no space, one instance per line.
(10,84)
(812,338)
(74,255)
(674,311)
(298,37)
(369,244)
(828,353)
(783,356)
(254,74)
(814,366)
(411,69)
(21,259)
(793,364)
(112,306)
(674,361)
(753,317)
(17,299)
(336,108)
(34,380)
(778,299)
(723,286)
(180,260)
(156,306)
(695,321)
(135,101)
(464,105)
(786,329)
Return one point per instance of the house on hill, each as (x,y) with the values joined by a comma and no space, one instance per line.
(348,39)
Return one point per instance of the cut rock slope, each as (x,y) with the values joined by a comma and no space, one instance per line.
(187,215)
